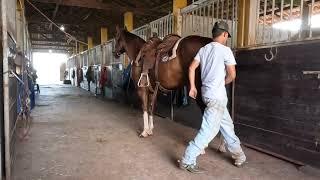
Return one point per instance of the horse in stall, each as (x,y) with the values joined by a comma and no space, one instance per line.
(150,72)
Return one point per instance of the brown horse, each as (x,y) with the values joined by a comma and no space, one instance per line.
(126,42)
(170,75)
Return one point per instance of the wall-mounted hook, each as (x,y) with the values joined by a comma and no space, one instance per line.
(272,54)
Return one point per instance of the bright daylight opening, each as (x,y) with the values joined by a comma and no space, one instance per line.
(48,67)
(294,25)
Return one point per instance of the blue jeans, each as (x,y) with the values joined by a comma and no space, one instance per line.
(216,117)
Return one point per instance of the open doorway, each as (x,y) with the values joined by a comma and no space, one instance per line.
(48,67)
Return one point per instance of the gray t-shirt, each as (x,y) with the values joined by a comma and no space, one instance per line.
(213,57)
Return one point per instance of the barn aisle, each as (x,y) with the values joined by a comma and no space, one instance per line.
(78,136)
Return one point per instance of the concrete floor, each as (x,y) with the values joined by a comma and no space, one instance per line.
(77,136)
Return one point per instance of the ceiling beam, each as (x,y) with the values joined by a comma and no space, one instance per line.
(52,49)
(67,22)
(36,31)
(55,13)
(52,45)
(94,4)
(49,40)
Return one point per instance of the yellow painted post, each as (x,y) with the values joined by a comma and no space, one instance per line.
(241,23)
(247,18)
(128,20)
(104,34)
(177,6)
(90,42)
(81,48)
(128,23)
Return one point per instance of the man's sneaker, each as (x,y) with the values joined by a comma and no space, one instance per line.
(239,160)
(191,168)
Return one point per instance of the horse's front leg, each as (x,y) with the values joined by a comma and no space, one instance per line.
(151,103)
(144,102)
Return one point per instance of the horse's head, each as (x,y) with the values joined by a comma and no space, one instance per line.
(149,49)
(120,42)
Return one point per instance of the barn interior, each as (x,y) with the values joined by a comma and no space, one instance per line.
(70,109)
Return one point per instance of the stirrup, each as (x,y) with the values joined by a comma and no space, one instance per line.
(148,80)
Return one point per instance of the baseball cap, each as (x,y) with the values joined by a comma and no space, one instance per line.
(221,25)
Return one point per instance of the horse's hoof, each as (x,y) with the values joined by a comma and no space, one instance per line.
(150,133)
(143,135)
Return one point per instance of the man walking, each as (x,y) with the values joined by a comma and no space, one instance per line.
(217,65)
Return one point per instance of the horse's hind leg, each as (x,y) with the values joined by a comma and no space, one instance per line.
(144,100)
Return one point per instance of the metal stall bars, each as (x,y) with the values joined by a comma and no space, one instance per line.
(97,67)
(116,74)
(112,88)
(143,32)
(13,33)
(199,17)
(162,26)
(281,21)
(72,70)
(85,61)
(107,59)
(91,67)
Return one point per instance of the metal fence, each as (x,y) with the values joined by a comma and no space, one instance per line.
(160,28)
(107,53)
(163,26)
(143,32)
(98,57)
(199,17)
(287,20)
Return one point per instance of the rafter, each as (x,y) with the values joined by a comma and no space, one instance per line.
(93,4)
(55,13)
(52,45)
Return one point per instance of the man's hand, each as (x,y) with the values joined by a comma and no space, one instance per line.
(192,69)
(193,93)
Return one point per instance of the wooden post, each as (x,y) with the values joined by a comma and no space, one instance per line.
(90,42)
(128,23)
(104,34)
(177,6)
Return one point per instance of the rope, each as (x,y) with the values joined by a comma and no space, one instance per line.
(67,34)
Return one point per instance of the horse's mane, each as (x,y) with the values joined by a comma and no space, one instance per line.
(132,37)
(171,35)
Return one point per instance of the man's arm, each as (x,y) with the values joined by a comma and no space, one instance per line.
(192,69)
(231,73)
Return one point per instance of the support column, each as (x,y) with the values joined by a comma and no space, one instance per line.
(128,20)
(104,34)
(247,19)
(81,48)
(306,21)
(90,42)
(128,23)
(177,6)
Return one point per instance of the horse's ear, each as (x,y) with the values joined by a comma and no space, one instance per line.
(117,28)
